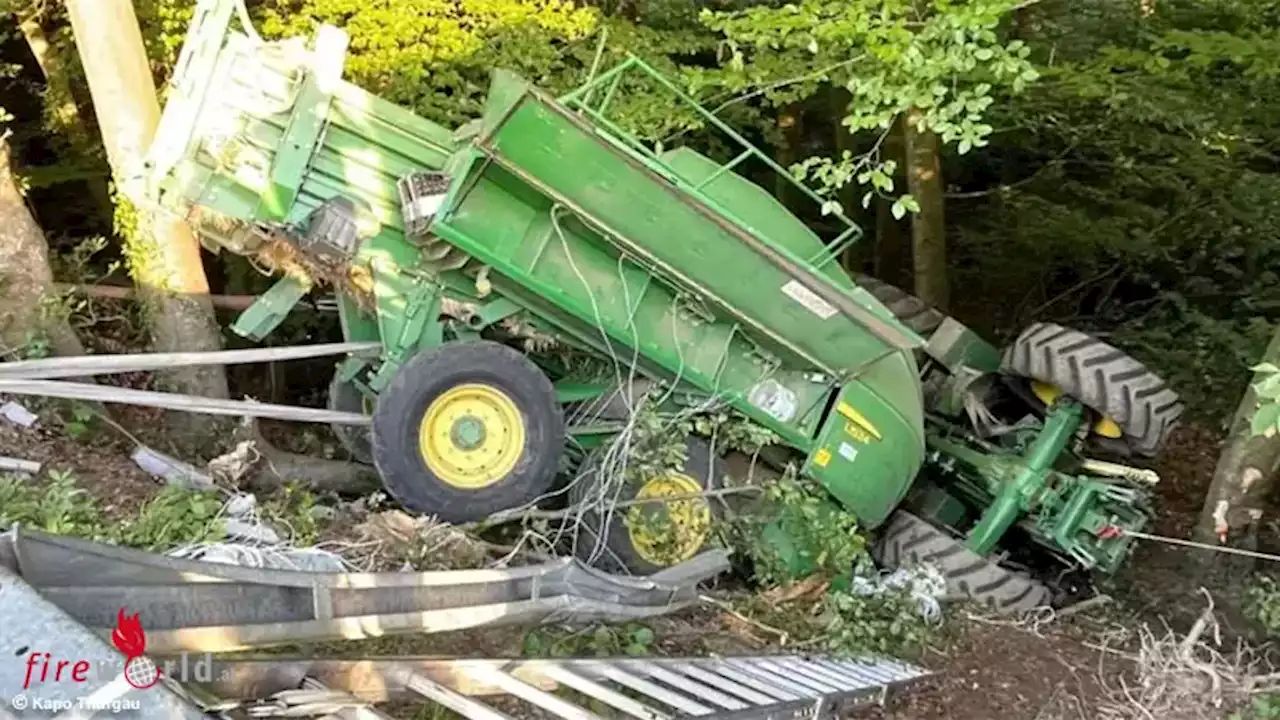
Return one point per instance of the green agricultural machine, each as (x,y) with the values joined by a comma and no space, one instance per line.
(481,258)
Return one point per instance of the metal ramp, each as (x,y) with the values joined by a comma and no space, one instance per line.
(720,688)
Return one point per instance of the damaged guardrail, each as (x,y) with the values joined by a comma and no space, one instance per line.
(191,605)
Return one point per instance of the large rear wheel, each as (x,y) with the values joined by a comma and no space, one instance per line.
(1134,404)
(467,429)
(908,540)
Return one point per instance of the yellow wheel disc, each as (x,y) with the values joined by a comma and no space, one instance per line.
(666,533)
(1046,393)
(471,436)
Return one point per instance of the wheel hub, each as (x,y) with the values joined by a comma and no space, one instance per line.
(472,436)
(467,432)
(668,531)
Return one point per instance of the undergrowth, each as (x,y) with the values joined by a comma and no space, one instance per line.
(804,549)
(176,516)
(594,640)
(1262,603)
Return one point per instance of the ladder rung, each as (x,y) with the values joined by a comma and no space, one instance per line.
(840,680)
(795,691)
(816,687)
(653,690)
(777,692)
(524,691)
(879,674)
(690,686)
(725,684)
(603,693)
(461,704)
(860,675)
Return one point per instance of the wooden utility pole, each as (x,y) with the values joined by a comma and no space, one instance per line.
(164,257)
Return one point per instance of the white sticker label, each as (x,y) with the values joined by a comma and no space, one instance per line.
(848,452)
(809,299)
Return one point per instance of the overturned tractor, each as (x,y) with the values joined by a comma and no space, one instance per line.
(480,259)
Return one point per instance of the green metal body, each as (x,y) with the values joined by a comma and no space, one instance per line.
(557,220)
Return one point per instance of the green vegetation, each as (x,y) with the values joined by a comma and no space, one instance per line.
(1262,603)
(593,640)
(174,517)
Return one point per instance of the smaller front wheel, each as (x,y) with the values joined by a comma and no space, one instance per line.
(467,429)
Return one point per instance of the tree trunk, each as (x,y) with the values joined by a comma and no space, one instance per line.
(789,123)
(164,256)
(31,315)
(67,112)
(928,227)
(1245,473)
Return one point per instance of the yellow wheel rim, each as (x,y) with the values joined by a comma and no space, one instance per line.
(471,436)
(1046,393)
(670,532)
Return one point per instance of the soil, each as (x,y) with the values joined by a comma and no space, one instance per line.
(985,668)
(99,462)
(1004,671)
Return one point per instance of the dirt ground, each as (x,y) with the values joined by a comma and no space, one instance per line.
(983,668)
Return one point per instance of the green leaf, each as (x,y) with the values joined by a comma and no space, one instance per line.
(1268,389)
(642,636)
(1265,367)
(909,202)
(984,54)
(965,146)
(898,209)
(866,199)
(1265,420)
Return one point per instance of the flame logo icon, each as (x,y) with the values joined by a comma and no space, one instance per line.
(130,639)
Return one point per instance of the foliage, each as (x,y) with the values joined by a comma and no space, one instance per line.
(175,516)
(823,536)
(940,59)
(434,56)
(1263,707)
(1262,603)
(840,622)
(295,509)
(1266,419)
(887,623)
(594,640)
(57,507)
(1134,188)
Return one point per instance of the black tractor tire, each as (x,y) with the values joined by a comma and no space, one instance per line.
(401,407)
(909,540)
(356,439)
(619,551)
(1103,378)
(909,309)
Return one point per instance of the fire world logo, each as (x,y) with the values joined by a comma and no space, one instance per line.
(130,639)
